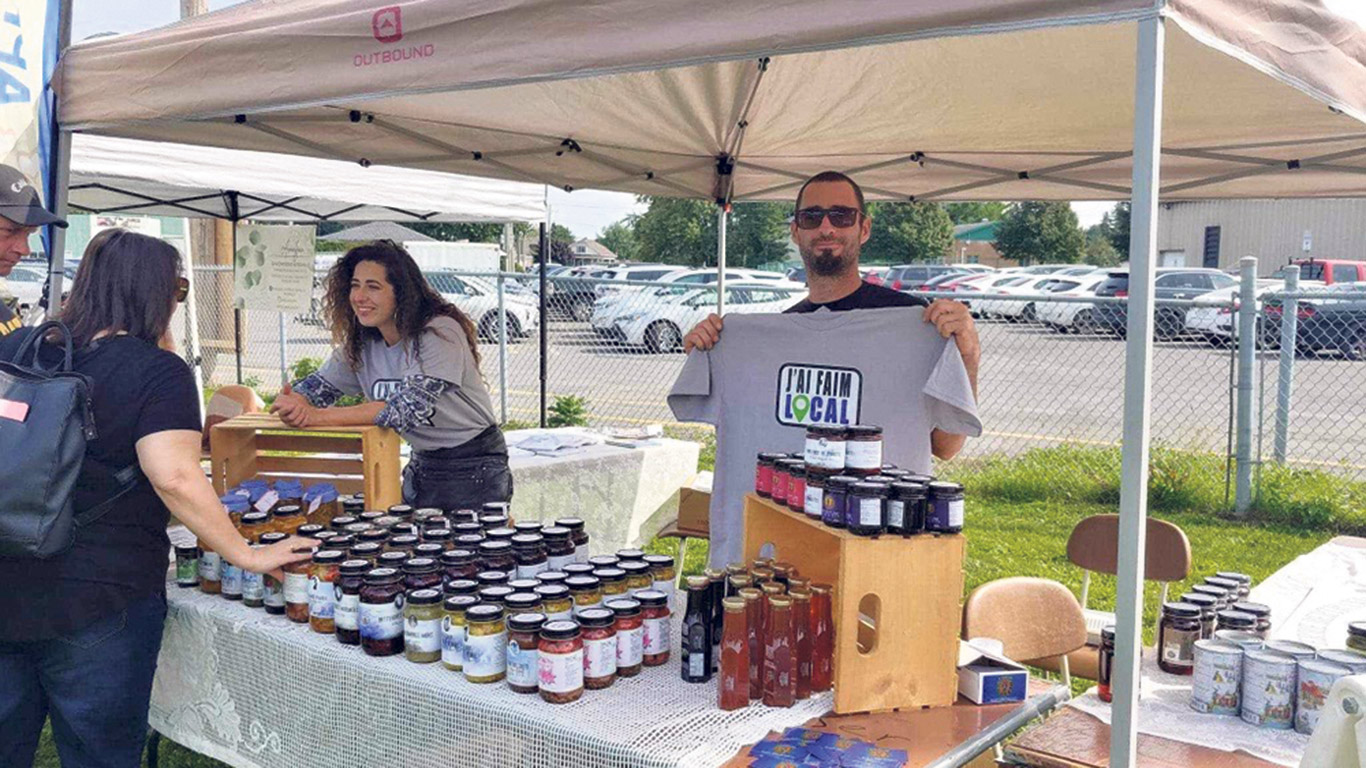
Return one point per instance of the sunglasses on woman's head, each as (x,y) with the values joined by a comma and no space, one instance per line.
(840,217)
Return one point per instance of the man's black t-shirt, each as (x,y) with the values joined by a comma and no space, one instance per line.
(866,296)
(138,390)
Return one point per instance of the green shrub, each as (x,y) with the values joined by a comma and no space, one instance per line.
(568,411)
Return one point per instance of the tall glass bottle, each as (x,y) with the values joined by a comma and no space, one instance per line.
(801,633)
(697,631)
(753,615)
(822,638)
(733,691)
(780,663)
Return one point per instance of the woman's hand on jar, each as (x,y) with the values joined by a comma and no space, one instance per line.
(269,560)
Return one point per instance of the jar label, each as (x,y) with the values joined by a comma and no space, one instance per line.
(210,567)
(522,665)
(558,562)
(896,513)
(870,512)
(422,635)
(253,586)
(452,643)
(275,595)
(1178,646)
(823,453)
(815,501)
(600,657)
(296,588)
(381,621)
(581,553)
(530,571)
(232,579)
(956,513)
(630,646)
(347,612)
(187,571)
(485,655)
(322,598)
(560,672)
(697,664)
(267,501)
(656,639)
(863,454)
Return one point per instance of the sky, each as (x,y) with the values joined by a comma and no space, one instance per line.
(585,212)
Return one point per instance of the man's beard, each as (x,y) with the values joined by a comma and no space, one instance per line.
(821,261)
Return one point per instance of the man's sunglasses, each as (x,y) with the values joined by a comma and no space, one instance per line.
(840,217)
(182,289)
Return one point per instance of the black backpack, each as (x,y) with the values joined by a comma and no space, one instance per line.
(46,420)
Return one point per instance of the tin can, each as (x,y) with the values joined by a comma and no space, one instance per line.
(1315,680)
(1268,693)
(1350,659)
(1301,651)
(1245,640)
(1217,677)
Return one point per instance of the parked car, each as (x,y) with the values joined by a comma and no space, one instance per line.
(797,275)
(1015,310)
(633,273)
(876,275)
(1213,319)
(1335,322)
(906,277)
(479,299)
(676,282)
(24,285)
(976,267)
(659,327)
(1070,316)
(1328,271)
(1171,283)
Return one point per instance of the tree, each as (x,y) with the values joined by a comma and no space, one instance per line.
(559,252)
(677,230)
(757,233)
(1115,225)
(561,234)
(907,232)
(969,213)
(452,231)
(620,238)
(1099,251)
(1042,233)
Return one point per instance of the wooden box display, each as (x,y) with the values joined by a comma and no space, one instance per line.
(352,458)
(903,651)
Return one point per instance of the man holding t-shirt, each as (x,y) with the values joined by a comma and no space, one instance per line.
(830,227)
(21,213)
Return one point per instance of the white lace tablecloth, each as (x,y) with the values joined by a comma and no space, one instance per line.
(258,691)
(625,494)
(1312,599)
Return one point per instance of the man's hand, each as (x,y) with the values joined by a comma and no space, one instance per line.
(952,319)
(705,335)
(292,408)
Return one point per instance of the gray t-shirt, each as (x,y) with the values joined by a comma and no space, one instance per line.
(462,410)
(772,375)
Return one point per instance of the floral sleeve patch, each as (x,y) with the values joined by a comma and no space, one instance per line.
(413,404)
(317,391)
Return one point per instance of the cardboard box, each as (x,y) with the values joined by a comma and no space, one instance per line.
(985,677)
(694,505)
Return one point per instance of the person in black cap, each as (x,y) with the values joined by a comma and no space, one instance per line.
(21,213)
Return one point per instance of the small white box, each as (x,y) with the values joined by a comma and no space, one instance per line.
(985,677)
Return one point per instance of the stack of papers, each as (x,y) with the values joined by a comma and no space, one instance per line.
(556,443)
(807,748)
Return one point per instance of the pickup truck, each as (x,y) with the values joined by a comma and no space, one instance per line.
(1327,271)
(1335,322)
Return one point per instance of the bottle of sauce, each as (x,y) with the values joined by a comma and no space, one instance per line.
(754,642)
(801,635)
(1106,663)
(697,631)
(822,638)
(780,668)
(733,690)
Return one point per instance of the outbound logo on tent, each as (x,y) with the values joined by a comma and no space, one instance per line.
(387,27)
(387,24)
(818,394)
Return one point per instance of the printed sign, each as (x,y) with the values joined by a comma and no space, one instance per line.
(818,394)
(23,36)
(273,267)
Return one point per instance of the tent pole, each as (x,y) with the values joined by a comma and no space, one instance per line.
(1133,489)
(721,210)
(57,184)
(543,262)
(236,313)
(192,352)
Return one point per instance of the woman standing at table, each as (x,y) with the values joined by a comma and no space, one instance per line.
(415,358)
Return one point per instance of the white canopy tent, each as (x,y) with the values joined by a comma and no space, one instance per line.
(927,100)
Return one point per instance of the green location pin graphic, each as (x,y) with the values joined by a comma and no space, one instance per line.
(800,405)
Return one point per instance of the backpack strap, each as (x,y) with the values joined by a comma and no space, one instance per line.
(127,478)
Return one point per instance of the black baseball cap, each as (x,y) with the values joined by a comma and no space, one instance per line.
(19,201)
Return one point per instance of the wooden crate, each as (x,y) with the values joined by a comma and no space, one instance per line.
(352,458)
(904,651)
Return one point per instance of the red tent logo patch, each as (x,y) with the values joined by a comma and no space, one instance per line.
(388,24)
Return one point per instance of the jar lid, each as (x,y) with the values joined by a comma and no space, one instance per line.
(528,540)
(1228,584)
(495,594)
(1357,628)
(289,510)
(424,597)
(945,487)
(750,593)
(393,560)
(653,598)
(630,554)
(381,575)
(354,567)
(779,601)
(1265,656)
(368,548)
(528,526)
(552,591)
(493,521)
(923,479)
(1200,599)
(768,457)
(308,531)
(430,550)
(821,589)
(468,526)
(483,612)
(523,585)
(419,565)
(500,533)
(1181,610)
(373,534)
(406,510)
(526,622)
(461,587)
(358,528)
(496,507)
(604,561)
(405,541)
(839,481)
(341,521)
(578,569)
(494,547)
(625,607)
(869,489)
(1241,578)
(1255,609)
(551,577)
(698,582)
(582,583)
(891,470)
(469,541)
(341,541)
(521,600)
(255,518)
(609,574)
(555,532)
(733,604)
(371,515)
(436,534)
(457,557)
(560,630)
(864,431)
(908,490)
(572,523)
(329,556)
(659,561)
(465,516)
(1210,589)
(460,603)
(635,567)
(187,549)
(1107,633)
(825,430)
(596,617)
(492,577)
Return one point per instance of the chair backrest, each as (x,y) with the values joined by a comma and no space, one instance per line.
(1033,618)
(1094,546)
(228,402)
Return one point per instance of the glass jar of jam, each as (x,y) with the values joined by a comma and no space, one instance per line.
(253,525)
(945,510)
(187,565)
(1243,581)
(814,500)
(824,454)
(322,590)
(210,570)
(502,533)
(638,576)
(296,590)
(779,482)
(237,506)
(836,501)
(486,641)
(1224,597)
(613,582)
(556,603)
(822,638)
(368,551)
(657,635)
(522,602)
(1231,586)
(579,569)
(763,473)
(230,584)
(796,486)
(1208,607)
(381,612)
(442,536)
(867,509)
(393,560)
(406,512)
(470,528)
(462,587)
(1176,635)
(492,578)
(578,533)
(490,522)
(356,529)
(459,564)
(560,662)
(421,573)
(906,503)
(320,503)
(662,574)
(406,543)
(340,522)
(551,577)
(495,595)
(629,626)
(733,688)
(289,491)
(1260,612)
(523,585)
(599,647)
(274,597)
(559,547)
(430,550)
(453,630)
(497,555)
(342,541)
(1236,620)
(524,639)
(351,506)
(604,561)
(346,615)
(1105,667)
(469,541)
(863,450)
(586,592)
(371,515)
(289,518)
(422,614)
(530,553)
